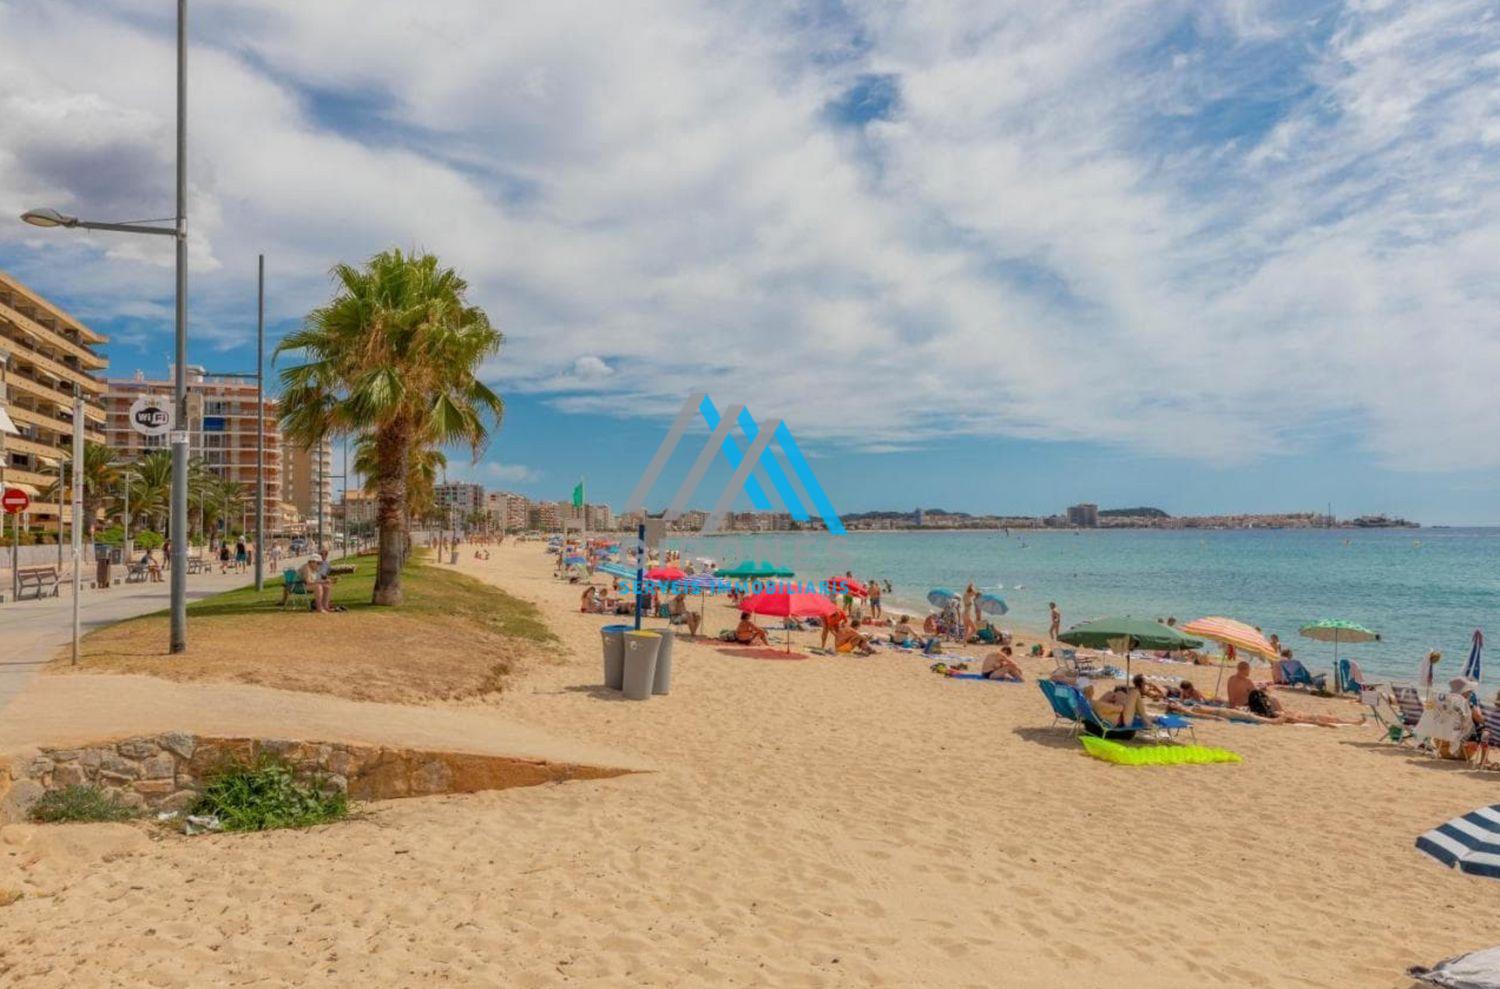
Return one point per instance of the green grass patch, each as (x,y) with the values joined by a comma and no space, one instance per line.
(266,795)
(79,803)
(429,590)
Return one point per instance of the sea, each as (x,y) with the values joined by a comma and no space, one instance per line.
(1421,589)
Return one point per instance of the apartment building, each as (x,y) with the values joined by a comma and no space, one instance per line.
(460,497)
(599,518)
(44,354)
(511,512)
(307,479)
(222,425)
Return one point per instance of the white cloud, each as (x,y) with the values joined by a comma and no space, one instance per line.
(1222,229)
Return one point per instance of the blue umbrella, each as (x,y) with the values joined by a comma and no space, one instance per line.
(939,596)
(570,560)
(1472,668)
(992,604)
(1470,843)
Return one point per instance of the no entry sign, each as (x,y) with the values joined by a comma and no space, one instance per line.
(14,500)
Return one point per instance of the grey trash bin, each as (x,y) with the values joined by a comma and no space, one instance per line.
(662,682)
(614,654)
(640,664)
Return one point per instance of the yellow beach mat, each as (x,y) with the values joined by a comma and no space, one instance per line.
(1154,755)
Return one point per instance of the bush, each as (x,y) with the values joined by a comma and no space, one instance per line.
(79,803)
(146,539)
(268,795)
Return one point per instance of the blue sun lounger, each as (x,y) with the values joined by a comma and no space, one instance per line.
(1057,699)
(1089,721)
(1296,675)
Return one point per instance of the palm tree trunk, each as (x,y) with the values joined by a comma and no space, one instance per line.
(390,454)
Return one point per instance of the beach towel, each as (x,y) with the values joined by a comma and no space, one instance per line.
(1155,755)
(1475,970)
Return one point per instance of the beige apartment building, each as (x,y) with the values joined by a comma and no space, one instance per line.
(222,429)
(44,354)
(307,477)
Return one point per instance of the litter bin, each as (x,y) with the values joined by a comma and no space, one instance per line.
(614,654)
(101,575)
(640,664)
(661,683)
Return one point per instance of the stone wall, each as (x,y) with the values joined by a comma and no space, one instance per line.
(167,771)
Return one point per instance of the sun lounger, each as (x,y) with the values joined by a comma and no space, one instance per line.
(1294,674)
(1088,720)
(1350,679)
(1069,661)
(1058,700)
(1386,714)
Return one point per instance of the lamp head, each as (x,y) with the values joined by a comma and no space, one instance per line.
(48,217)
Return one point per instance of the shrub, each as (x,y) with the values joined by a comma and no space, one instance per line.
(266,795)
(146,539)
(79,803)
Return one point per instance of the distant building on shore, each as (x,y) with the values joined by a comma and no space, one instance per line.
(44,353)
(509,511)
(1084,515)
(461,497)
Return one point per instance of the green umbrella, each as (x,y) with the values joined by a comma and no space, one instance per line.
(1337,630)
(1138,633)
(750,570)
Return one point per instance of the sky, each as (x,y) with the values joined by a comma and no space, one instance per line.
(1206,255)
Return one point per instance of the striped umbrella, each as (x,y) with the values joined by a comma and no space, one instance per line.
(1473,667)
(1244,638)
(1470,843)
(1337,630)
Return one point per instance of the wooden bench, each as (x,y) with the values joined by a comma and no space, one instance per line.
(38,580)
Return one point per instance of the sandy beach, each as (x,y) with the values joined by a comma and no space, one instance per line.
(817,822)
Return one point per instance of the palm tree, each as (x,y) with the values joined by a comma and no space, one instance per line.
(100,475)
(422,466)
(395,354)
(151,486)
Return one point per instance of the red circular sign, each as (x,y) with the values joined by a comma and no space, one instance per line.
(14,500)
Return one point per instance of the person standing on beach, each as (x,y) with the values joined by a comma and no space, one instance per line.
(1055,628)
(874,590)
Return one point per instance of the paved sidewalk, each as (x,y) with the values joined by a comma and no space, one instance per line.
(32,632)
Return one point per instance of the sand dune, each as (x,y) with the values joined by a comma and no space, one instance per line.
(818,823)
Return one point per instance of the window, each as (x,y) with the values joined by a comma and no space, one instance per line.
(213,424)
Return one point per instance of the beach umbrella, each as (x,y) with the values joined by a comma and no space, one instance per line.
(849,585)
(1336,630)
(1472,668)
(571,560)
(939,597)
(785,602)
(1133,633)
(1470,843)
(1236,634)
(665,573)
(992,604)
(750,570)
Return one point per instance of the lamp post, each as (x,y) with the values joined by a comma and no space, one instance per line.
(178,527)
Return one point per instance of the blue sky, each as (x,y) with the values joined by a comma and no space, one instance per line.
(1210,256)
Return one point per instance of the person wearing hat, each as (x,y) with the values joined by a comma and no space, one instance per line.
(1465,691)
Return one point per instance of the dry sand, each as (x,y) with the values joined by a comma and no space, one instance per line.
(834,821)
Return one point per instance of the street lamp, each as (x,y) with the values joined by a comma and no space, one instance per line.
(47,217)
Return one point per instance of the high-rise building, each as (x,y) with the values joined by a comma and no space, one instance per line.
(599,518)
(307,483)
(511,512)
(44,354)
(548,515)
(222,429)
(460,498)
(1085,516)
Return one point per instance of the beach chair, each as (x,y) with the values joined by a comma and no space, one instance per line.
(1069,661)
(1294,674)
(1409,706)
(1057,699)
(296,590)
(1490,735)
(1386,714)
(1348,678)
(1162,726)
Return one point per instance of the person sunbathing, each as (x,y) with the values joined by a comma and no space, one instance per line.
(678,614)
(748,633)
(930,625)
(1000,666)
(1122,706)
(903,634)
(1245,694)
(589,601)
(848,639)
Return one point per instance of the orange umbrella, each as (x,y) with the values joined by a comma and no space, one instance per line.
(1241,637)
(1244,638)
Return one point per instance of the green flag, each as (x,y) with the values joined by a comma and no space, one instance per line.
(578,495)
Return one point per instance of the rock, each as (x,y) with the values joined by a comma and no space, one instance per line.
(332,784)
(131,799)
(64,755)
(91,758)
(153,788)
(342,762)
(112,766)
(19,798)
(138,748)
(39,767)
(284,748)
(159,767)
(179,743)
(17,834)
(321,753)
(432,776)
(69,774)
(180,800)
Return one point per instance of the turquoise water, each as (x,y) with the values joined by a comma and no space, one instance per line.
(1420,588)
